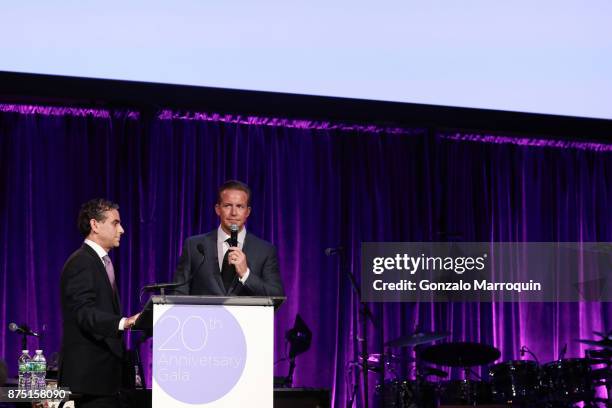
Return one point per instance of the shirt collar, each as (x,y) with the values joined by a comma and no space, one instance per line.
(99,250)
(222,235)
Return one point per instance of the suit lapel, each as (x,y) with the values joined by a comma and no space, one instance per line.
(100,267)
(212,249)
(245,247)
(117,301)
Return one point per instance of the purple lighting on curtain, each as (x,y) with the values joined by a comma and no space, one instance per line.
(315,185)
(63,111)
(524,141)
(284,123)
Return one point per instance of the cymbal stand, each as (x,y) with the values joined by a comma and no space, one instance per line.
(364,314)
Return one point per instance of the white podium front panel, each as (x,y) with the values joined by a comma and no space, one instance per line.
(212,356)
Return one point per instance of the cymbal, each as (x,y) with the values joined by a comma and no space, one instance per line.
(607,335)
(601,354)
(460,354)
(607,344)
(416,339)
(596,361)
(427,371)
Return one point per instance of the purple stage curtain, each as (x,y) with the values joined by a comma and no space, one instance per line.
(315,185)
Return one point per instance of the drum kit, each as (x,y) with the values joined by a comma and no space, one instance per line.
(563,383)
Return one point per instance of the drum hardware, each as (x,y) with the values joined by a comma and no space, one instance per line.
(603,375)
(464,392)
(568,381)
(604,354)
(465,355)
(407,393)
(299,338)
(460,354)
(604,336)
(389,360)
(516,381)
(562,352)
(606,344)
(416,339)
(471,390)
(525,350)
(427,371)
(595,361)
(402,393)
(561,383)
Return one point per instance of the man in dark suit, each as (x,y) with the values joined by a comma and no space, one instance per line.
(210,266)
(92,344)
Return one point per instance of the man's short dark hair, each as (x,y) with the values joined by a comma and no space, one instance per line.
(234,185)
(93,209)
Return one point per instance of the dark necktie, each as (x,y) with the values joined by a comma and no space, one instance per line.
(227,271)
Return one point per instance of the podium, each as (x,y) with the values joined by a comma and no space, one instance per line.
(211,351)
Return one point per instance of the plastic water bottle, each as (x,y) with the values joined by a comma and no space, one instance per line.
(39,371)
(25,373)
(137,378)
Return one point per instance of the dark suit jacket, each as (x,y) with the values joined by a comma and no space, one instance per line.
(205,276)
(92,346)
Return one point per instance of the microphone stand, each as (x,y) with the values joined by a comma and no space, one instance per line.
(289,379)
(363,314)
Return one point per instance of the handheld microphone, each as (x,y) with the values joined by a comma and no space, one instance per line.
(23,329)
(234,235)
(522,351)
